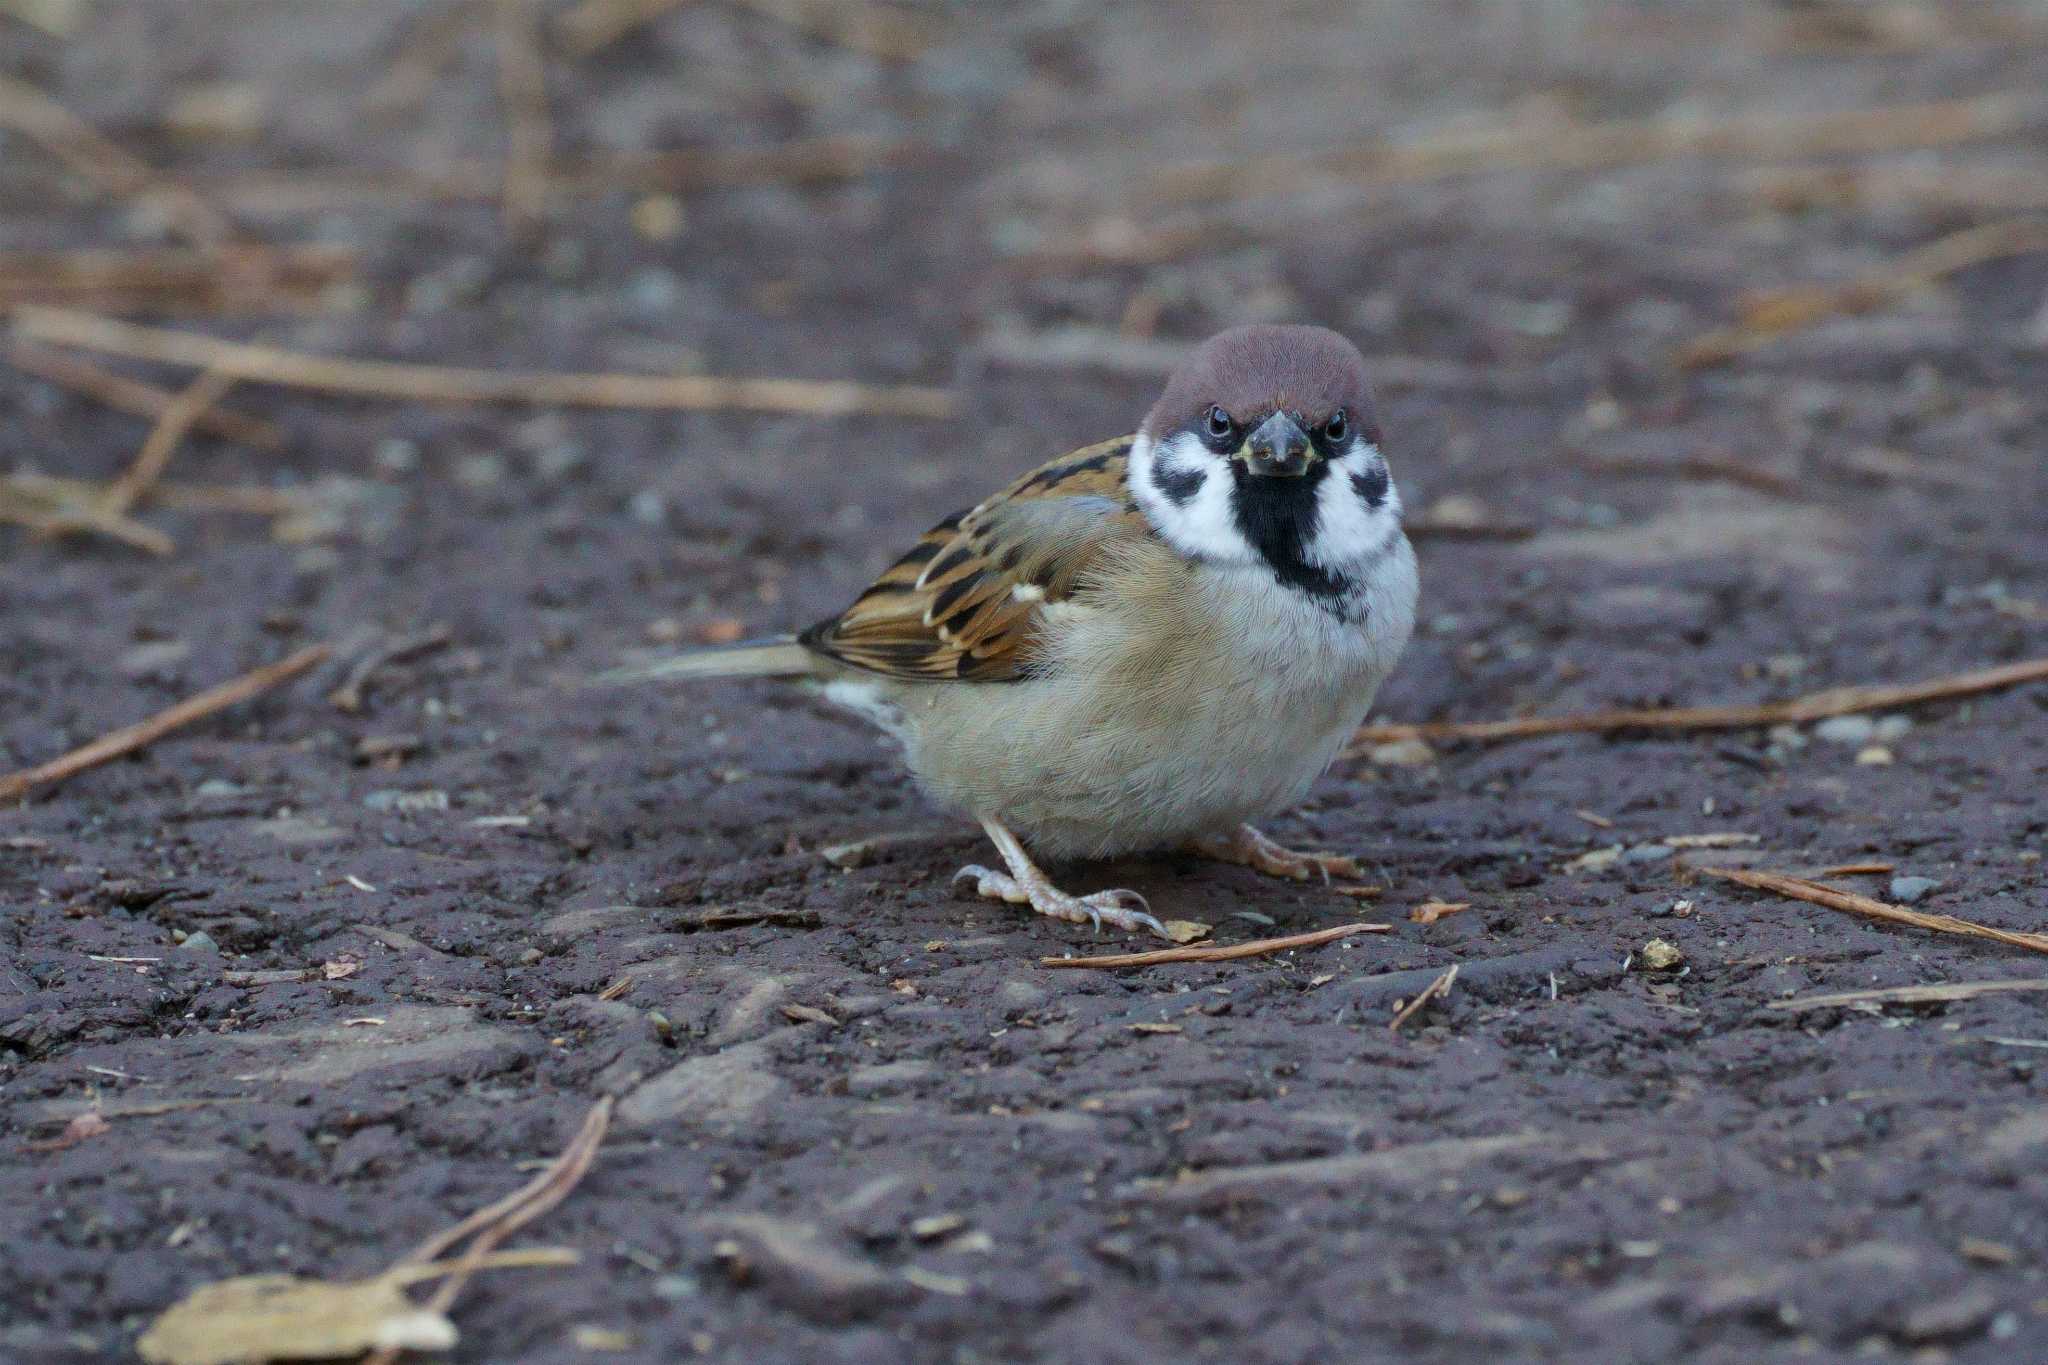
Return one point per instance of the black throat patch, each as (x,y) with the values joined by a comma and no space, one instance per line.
(1278,517)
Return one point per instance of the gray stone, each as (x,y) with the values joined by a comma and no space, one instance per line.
(888,1076)
(721,1091)
(1912,890)
(1846,730)
(200,942)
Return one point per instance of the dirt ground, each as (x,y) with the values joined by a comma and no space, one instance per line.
(947,1152)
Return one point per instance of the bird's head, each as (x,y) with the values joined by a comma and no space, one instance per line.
(1265,448)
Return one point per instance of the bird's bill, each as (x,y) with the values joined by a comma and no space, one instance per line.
(1278,448)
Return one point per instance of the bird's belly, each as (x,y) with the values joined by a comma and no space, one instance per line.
(1083,775)
(1147,753)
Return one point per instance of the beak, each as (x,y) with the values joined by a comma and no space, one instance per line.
(1278,449)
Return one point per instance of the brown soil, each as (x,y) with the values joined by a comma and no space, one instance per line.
(953,1154)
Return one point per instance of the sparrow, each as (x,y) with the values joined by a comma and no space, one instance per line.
(1147,643)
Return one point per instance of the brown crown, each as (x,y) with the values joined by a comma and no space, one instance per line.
(1252,372)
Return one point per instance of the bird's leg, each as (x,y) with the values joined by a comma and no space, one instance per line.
(1027,884)
(1246,846)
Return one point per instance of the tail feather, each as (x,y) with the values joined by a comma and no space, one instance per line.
(776,657)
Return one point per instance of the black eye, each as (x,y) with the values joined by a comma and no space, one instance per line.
(1337,428)
(1220,424)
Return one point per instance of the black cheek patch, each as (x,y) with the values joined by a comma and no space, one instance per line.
(1371,486)
(1179,485)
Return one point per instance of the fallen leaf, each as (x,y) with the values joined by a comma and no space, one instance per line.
(340,968)
(1429,912)
(1155,1028)
(1185,930)
(282,1317)
(1596,860)
(809,1014)
(83,1126)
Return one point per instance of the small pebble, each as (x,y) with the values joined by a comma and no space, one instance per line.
(1404,753)
(1660,955)
(1876,756)
(648,508)
(396,455)
(1912,890)
(1891,729)
(1845,730)
(201,942)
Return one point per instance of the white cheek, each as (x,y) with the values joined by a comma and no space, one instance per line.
(1347,529)
(1205,526)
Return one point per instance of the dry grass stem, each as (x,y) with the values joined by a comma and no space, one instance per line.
(57,507)
(133,396)
(1984,189)
(1256,948)
(448,384)
(1572,146)
(529,132)
(1772,313)
(1835,701)
(891,35)
(1435,990)
(1910,995)
(236,277)
(349,695)
(172,426)
(806,161)
(494,1223)
(144,733)
(40,119)
(1850,870)
(1799,888)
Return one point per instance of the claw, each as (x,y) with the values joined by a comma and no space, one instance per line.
(1026,884)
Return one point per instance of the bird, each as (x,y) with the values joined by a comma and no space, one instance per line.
(1146,644)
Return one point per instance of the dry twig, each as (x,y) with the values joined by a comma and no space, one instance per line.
(1772,313)
(55,507)
(1939,185)
(349,695)
(1435,990)
(133,396)
(529,133)
(144,733)
(235,277)
(448,384)
(171,427)
(1800,889)
(891,35)
(1835,701)
(79,145)
(1533,146)
(805,161)
(1941,994)
(494,1223)
(1256,948)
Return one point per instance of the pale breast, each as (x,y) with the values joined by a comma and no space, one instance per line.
(1177,699)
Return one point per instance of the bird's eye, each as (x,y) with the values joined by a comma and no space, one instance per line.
(1337,428)
(1220,424)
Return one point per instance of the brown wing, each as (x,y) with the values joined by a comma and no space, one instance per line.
(967,602)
